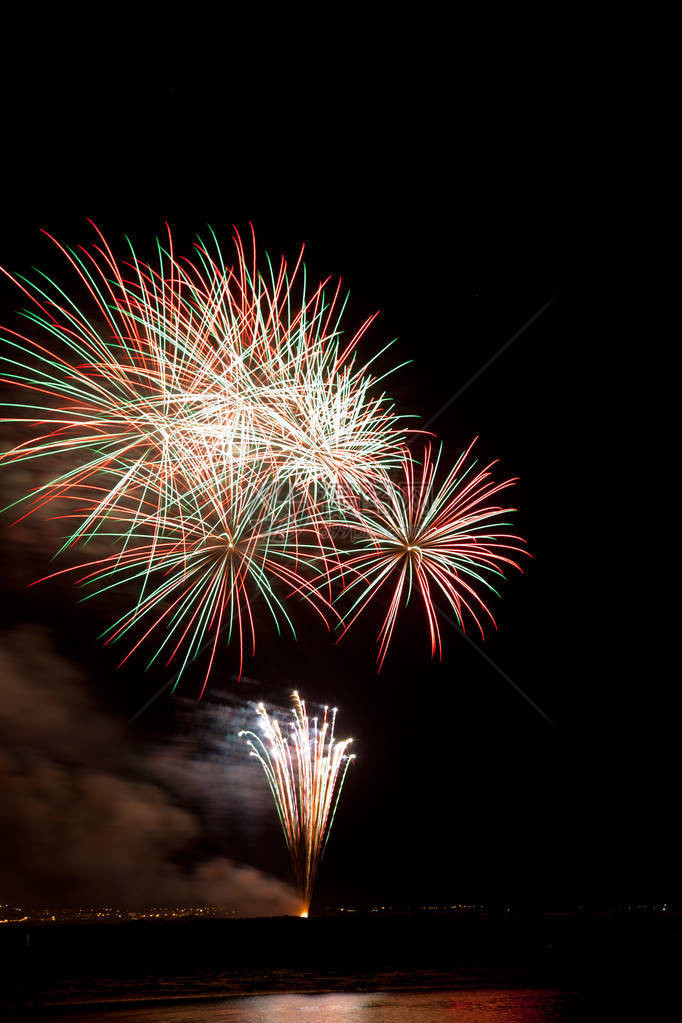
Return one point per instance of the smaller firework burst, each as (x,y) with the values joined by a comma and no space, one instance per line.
(306,768)
(443,540)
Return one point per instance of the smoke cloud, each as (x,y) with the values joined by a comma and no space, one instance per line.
(88,819)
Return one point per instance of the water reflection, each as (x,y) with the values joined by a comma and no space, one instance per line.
(508,1006)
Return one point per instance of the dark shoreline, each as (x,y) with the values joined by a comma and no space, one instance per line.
(53,968)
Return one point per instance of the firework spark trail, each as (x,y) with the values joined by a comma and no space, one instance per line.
(305,768)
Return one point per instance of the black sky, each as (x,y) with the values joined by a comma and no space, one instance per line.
(458,204)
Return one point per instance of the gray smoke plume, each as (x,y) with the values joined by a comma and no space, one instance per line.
(86,818)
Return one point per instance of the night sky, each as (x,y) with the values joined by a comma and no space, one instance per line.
(459,210)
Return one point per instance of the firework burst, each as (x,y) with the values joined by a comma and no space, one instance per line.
(305,766)
(213,417)
(218,429)
(440,540)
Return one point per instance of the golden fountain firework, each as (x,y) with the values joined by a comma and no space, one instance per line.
(306,768)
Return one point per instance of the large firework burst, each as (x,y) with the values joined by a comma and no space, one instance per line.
(215,426)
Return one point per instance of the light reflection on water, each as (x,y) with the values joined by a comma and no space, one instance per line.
(488,1006)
